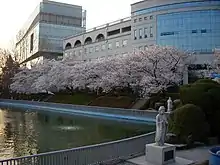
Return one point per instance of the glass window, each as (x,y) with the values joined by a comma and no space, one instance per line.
(151,31)
(145,47)
(97,48)
(145,32)
(140,33)
(135,20)
(196,31)
(125,42)
(80,52)
(90,49)
(109,45)
(103,47)
(86,50)
(117,44)
(140,19)
(135,34)
(145,18)
(151,17)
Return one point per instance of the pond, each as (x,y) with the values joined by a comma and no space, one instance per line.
(28,132)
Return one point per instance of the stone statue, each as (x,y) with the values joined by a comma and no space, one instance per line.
(169,105)
(161,126)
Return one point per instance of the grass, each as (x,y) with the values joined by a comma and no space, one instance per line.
(115,102)
(78,98)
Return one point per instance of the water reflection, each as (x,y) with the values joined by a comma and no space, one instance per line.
(26,133)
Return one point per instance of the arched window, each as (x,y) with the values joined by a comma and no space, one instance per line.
(77,43)
(88,40)
(100,37)
(68,46)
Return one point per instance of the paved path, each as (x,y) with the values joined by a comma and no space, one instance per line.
(195,155)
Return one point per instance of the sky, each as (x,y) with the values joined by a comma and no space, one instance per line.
(13,14)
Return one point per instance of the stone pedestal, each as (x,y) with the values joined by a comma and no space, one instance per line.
(160,155)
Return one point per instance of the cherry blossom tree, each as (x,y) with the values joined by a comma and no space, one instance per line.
(145,72)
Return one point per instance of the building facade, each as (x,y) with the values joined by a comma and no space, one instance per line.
(189,25)
(43,33)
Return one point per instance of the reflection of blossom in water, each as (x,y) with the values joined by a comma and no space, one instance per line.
(69,128)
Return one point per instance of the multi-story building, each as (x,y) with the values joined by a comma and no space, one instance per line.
(43,33)
(190,25)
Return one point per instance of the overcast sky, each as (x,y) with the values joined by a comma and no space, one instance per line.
(14,13)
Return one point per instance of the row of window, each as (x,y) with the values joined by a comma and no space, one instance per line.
(176,6)
(177,32)
(103,47)
(143,33)
(145,18)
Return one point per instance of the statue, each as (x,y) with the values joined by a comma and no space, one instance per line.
(161,127)
(169,105)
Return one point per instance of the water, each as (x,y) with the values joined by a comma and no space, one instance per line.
(27,132)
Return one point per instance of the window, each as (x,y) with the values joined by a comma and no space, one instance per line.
(145,47)
(80,52)
(32,42)
(135,20)
(140,48)
(151,31)
(194,31)
(151,17)
(97,48)
(113,32)
(145,18)
(203,31)
(145,32)
(125,54)
(125,42)
(86,50)
(109,45)
(140,33)
(90,49)
(117,44)
(103,47)
(140,19)
(126,29)
(135,34)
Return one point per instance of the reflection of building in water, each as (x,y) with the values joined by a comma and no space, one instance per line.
(6,145)
(17,134)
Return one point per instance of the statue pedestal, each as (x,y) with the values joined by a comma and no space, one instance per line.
(160,155)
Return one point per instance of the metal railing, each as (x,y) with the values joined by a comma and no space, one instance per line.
(129,114)
(100,27)
(88,155)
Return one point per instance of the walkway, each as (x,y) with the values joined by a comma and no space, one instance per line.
(195,155)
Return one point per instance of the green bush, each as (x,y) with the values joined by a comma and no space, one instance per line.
(189,121)
(205,94)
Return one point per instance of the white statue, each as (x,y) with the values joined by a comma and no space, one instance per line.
(161,127)
(169,105)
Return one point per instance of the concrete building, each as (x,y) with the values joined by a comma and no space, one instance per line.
(43,33)
(191,25)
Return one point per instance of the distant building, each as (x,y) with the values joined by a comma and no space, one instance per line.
(191,25)
(43,33)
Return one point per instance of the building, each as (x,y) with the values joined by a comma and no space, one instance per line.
(191,25)
(43,33)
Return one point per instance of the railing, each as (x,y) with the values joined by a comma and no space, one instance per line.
(100,27)
(92,155)
(117,113)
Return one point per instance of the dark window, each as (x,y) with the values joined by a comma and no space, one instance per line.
(145,18)
(126,29)
(140,19)
(151,17)
(203,31)
(167,33)
(32,42)
(135,20)
(113,32)
(194,31)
